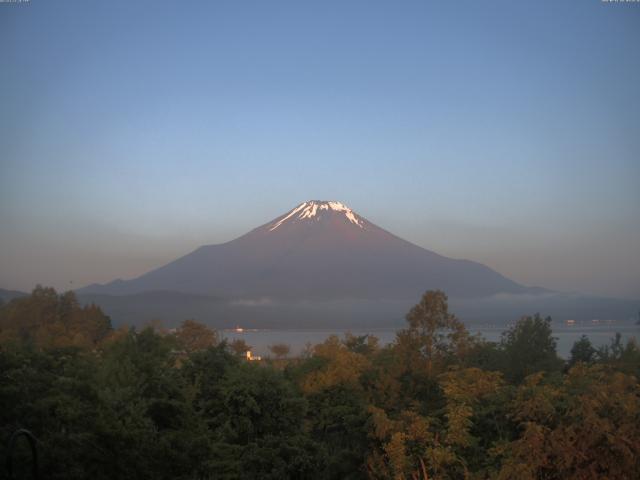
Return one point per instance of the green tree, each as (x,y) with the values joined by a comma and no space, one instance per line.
(280,350)
(529,347)
(260,417)
(582,351)
(338,420)
(620,356)
(148,420)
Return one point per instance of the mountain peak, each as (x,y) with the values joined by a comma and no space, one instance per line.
(318,250)
(313,209)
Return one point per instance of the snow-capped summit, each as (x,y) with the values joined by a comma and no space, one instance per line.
(313,210)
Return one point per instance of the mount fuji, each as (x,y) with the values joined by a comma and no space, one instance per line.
(323,265)
(317,251)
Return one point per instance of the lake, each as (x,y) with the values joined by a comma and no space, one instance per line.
(565,336)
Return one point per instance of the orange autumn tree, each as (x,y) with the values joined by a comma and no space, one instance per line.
(340,366)
(584,426)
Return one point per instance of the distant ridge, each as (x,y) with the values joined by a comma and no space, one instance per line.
(8,295)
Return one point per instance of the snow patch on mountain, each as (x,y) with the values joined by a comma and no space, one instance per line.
(313,208)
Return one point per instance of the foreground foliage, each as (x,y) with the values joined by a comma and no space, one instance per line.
(438,403)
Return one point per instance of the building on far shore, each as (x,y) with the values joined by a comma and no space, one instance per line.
(251,358)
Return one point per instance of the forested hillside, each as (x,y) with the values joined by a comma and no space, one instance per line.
(437,403)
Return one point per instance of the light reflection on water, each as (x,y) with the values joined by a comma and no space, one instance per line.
(565,336)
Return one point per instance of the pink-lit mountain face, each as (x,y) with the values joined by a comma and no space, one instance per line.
(318,250)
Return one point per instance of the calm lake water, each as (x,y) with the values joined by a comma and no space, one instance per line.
(565,336)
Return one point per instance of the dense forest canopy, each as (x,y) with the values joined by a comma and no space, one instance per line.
(49,320)
(438,403)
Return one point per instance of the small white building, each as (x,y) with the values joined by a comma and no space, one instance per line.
(251,357)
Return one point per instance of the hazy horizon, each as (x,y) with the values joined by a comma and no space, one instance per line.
(132,133)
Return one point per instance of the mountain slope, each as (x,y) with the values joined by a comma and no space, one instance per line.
(8,295)
(318,250)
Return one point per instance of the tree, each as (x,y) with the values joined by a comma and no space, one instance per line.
(335,365)
(625,358)
(194,336)
(157,325)
(338,420)
(67,304)
(259,427)
(49,320)
(529,347)
(364,344)
(582,351)
(280,350)
(584,426)
(433,331)
(239,346)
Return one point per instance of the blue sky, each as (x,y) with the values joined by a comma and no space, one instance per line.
(132,132)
